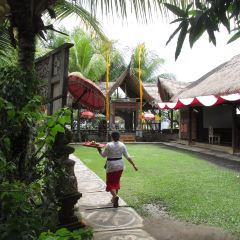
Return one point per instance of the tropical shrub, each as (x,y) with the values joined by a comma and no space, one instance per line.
(30,166)
(64,234)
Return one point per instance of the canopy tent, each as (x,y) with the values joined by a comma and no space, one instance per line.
(85,92)
(201,100)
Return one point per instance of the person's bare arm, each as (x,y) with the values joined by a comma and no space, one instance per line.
(126,155)
(133,164)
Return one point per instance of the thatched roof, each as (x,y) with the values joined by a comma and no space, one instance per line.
(102,86)
(130,85)
(152,90)
(167,88)
(223,80)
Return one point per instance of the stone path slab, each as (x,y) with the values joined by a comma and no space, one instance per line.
(86,175)
(136,234)
(97,200)
(122,223)
(112,218)
(91,186)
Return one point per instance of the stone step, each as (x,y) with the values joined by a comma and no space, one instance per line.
(128,138)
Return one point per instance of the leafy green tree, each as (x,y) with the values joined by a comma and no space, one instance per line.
(86,56)
(25,23)
(28,156)
(118,64)
(198,17)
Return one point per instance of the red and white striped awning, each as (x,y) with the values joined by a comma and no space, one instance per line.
(202,100)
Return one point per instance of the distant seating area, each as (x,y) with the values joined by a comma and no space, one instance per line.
(212,137)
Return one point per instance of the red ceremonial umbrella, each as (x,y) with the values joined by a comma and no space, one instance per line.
(87,114)
(86,92)
(148,116)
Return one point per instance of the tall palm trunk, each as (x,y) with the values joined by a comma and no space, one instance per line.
(26,52)
(22,19)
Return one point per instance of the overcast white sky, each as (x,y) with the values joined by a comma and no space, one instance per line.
(191,64)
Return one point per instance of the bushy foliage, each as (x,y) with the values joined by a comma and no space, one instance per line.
(197,17)
(30,168)
(64,234)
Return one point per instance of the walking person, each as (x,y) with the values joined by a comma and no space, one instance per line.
(115,165)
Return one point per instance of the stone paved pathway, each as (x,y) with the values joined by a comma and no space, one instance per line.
(95,207)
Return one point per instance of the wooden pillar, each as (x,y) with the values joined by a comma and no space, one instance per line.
(113,113)
(200,133)
(128,121)
(171,120)
(160,122)
(189,125)
(78,125)
(72,119)
(135,120)
(131,119)
(234,127)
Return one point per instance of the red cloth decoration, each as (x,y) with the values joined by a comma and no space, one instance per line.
(201,100)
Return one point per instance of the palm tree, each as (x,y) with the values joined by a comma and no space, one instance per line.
(150,64)
(25,22)
(118,64)
(86,55)
(25,18)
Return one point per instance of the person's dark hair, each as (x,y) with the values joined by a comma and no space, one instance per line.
(115,136)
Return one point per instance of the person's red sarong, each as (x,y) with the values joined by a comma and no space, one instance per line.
(113,180)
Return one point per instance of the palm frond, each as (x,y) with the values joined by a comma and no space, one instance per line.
(64,8)
(5,41)
(96,67)
(150,64)
(142,9)
(8,54)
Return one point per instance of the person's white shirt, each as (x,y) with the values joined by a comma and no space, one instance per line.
(115,150)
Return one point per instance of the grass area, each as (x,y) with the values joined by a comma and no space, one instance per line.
(190,188)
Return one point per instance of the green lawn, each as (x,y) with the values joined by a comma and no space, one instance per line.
(190,188)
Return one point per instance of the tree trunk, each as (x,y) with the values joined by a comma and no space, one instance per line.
(26,49)
(22,19)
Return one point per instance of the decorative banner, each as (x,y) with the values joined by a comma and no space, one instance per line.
(207,101)
(140,51)
(107,80)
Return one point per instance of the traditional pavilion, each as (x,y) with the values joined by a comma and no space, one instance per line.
(125,103)
(209,108)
